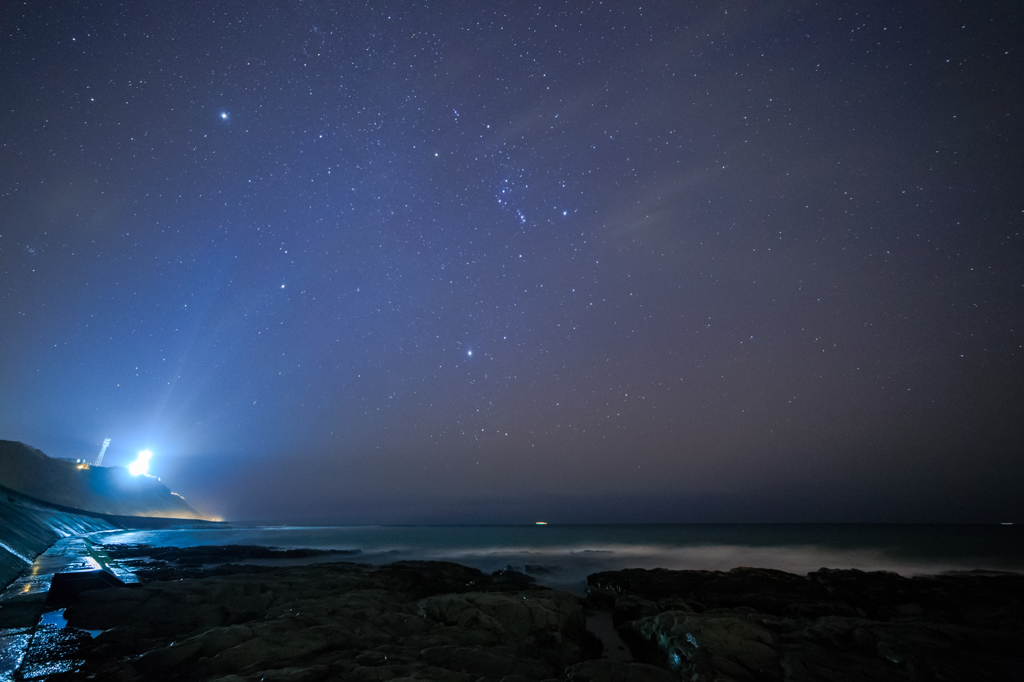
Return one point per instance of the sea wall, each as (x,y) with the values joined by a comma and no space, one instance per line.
(28,528)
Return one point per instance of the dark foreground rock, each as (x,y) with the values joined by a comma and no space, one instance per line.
(332,621)
(756,624)
(191,620)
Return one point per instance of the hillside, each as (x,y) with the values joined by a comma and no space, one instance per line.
(103,490)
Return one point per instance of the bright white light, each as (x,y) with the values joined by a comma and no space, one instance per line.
(224,115)
(141,463)
(469,353)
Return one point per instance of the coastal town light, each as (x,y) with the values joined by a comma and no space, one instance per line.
(141,463)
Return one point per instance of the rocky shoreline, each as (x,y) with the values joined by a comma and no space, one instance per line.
(202,614)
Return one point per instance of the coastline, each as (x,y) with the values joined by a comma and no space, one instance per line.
(200,613)
(498,604)
(31,526)
(562,557)
(44,549)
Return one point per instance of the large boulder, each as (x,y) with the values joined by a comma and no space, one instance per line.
(758,624)
(711,647)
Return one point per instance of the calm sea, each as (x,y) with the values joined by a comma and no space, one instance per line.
(562,556)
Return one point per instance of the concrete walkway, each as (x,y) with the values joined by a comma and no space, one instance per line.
(34,639)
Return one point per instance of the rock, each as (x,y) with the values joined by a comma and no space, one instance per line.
(516,615)
(837,624)
(765,590)
(448,623)
(313,673)
(331,621)
(706,647)
(604,670)
(493,662)
(629,607)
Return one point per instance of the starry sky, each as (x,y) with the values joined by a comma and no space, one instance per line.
(413,262)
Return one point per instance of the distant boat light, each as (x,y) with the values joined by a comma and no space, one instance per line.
(541,523)
(141,463)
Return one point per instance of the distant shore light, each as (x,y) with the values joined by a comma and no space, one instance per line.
(141,463)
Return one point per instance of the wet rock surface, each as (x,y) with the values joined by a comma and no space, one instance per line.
(28,528)
(757,624)
(192,620)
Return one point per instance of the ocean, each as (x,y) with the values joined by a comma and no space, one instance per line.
(562,556)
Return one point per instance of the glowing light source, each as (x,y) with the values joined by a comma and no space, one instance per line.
(141,463)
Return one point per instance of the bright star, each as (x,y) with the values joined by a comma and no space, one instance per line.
(224,115)
(469,353)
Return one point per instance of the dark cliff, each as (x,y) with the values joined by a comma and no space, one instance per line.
(102,490)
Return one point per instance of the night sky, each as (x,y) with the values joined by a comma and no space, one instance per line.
(500,262)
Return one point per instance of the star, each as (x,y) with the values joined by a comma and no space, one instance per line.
(662,285)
